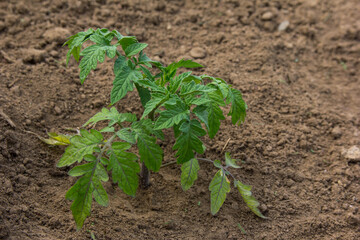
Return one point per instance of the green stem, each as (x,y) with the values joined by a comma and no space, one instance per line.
(223,168)
(98,158)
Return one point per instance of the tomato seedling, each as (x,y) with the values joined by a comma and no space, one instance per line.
(190,105)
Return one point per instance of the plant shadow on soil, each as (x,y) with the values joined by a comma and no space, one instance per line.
(301,85)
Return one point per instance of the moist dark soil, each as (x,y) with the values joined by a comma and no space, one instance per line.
(301,83)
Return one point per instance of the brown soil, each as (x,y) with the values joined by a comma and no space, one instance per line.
(301,84)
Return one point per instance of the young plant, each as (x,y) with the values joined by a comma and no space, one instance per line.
(190,105)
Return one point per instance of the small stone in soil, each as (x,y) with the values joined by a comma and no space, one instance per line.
(198,52)
(267,16)
(352,154)
(57,110)
(283,25)
(97,103)
(157,58)
(263,208)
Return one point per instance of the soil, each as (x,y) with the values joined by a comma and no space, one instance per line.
(301,84)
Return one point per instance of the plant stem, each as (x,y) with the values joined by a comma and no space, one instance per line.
(98,158)
(224,168)
(144,176)
(205,159)
(145,173)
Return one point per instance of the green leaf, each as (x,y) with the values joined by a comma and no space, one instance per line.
(81,194)
(158,65)
(194,78)
(219,187)
(230,162)
(188,141)
(75,42)
(189,172)
(99,193)
(126,135)
(117,34)
(120,146)
(251,202)
(199,100)
(172,115)
(150,152)
(94,54)
(126,41)
(112,115)
(193,88)
(238,106)
(214,117)
(123,83)
(156,100)
(221,85)
(124,168)
(102,173)
(151,85)
(185,64)
(81,169)
(134,49)
(147,73)
(216,97)
(217,163)
(99,39)
(104,161)
(80,146)
(107,129)
(143,59)
(144,94)
(87,187)
(202,113)
(176,82)
(120,62)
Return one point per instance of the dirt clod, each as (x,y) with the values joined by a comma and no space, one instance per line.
(34,56)
(57,35)
(198,52)
(15,90)
(336,132)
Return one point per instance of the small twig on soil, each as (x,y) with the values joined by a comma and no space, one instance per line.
(37,135)
(227,142)
(12,124)
(168,164)
(7,118)
(6,57)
